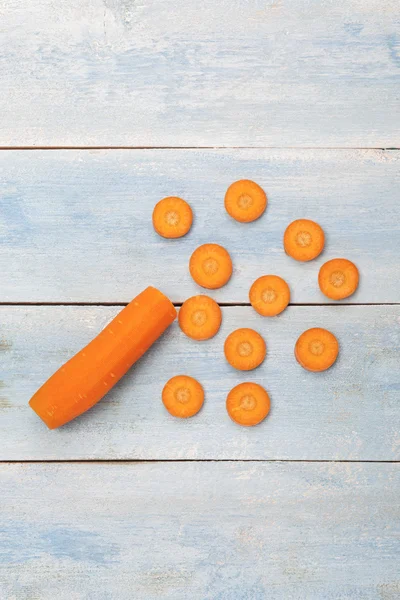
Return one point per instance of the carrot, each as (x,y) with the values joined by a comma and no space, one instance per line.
(338,278)
(92,372)
(200,317)
(269,295)
(183,396)
(245,201)
(172,217)
(244,349)
(304,240)
(248,404)
(316,349)
(210,266)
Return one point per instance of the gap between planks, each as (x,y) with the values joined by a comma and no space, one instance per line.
(17,148)
(179,304)
(193,460)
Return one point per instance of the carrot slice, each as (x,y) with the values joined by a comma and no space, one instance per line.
(245,349)
(245,200)
(316,349)
(304,240)
(248,404)
(269,295)
(338,278)
(210,266)
(200,317)
(92,372)
(183,396)
(172,217)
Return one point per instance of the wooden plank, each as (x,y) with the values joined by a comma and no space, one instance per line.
(349,412)
(76,225)
(204,531)
(248,73)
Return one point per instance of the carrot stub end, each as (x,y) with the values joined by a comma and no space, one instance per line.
(244,349)
(245,200)
(248,404)
(200,317)
(210,266)
(269,295)
(183,396)
(316,349)
(172,217)
(304,240)
(338,278)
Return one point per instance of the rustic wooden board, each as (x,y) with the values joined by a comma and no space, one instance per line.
(350,412)
(76,225)
(225,531)
(247,73)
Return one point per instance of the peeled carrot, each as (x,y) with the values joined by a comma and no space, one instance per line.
(316,349)
(244,349)
(304,240)
(172,217)
(91,373)
(200,317)
(248,404)
(269,295)
(183,396)
(338,278)
(245,200)
(210,266)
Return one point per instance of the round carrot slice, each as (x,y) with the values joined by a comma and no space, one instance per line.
(304,240)
(172,217)
(245,200)
(316,349)
(248,404)
(269,295)
(210,266)
(338,278)
(183,396)
(245,349)
(200,317)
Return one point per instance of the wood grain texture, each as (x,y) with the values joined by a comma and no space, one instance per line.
(247,73)
(76,225)
(215,531)
(350,412)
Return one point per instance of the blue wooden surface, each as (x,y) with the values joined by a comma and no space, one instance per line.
(207,531)
(243,73)
(76,225)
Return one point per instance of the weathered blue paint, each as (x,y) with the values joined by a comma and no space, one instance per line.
(80,228)
(349,412)
(202,530)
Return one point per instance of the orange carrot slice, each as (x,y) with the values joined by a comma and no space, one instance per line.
(210,266)
(245,200)
(338,278)
(245,349)
(269,295)
(304,240)
(92,372)
(183,396)
(316,349)
(200,317)
(172,217)
(248,404)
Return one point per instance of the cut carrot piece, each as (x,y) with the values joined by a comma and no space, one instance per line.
(183,396)
(210,266)
(172,217)
(92,372)
(245,349)
(316,349)
(245,200)
(269,295)
(248,404)
(304,240)
(338,278)
(200,317)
